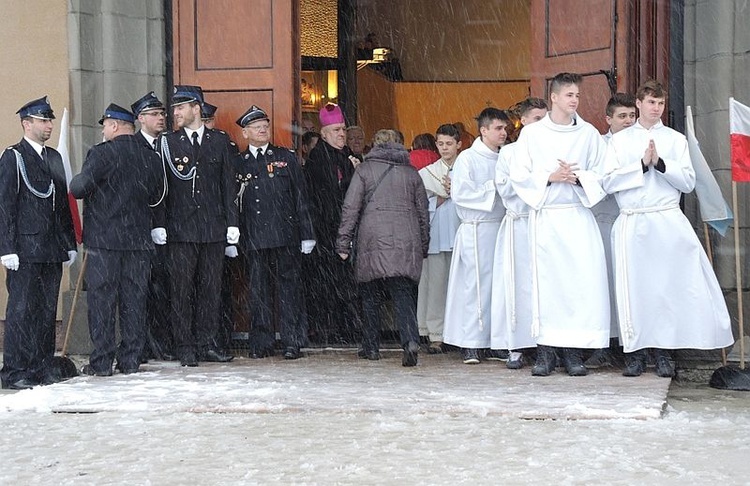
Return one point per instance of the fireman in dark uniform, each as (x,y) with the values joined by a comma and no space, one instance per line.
(36,236)
(120,183)
(276,226)
(201,219)
(151,116)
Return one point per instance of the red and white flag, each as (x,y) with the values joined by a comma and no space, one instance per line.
(739,137)
(62,147)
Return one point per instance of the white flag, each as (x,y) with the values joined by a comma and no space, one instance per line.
(714,209)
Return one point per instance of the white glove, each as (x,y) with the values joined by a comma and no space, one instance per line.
(231,251)
(10,261)
(307,246)
(159,236)
(72,254)
(233,235)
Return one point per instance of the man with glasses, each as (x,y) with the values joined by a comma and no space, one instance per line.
(275,221)
(151,116)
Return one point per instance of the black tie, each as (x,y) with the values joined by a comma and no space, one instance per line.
(154,144)
(259,153)
(196,145)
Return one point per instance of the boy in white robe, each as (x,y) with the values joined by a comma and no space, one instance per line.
(468,305)
(667,293)
(620,114)
(433,284)
(511,277)
(556,170)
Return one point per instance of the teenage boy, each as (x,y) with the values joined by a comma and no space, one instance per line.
(556,171)
(620,114)
(433,285)
(467,309)
(667,294)
(511,277)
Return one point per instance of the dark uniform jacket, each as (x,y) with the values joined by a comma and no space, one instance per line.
(274,210)
(199,210)
(119,181)
(37,230)
(328,173)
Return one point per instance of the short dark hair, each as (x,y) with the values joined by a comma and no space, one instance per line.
(530,103)
(651,87)
(625,100)
(488,115)
(308,136)
(564,79)
(424,141)
(449,130)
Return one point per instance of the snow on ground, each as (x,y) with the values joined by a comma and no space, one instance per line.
(334,419)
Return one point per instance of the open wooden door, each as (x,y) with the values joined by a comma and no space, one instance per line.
(241,53)
(580,36)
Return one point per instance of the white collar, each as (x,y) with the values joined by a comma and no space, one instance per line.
(199,131)
(254,150)
(37,147)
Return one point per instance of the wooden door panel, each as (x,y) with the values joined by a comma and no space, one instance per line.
(241,53)
(575,36)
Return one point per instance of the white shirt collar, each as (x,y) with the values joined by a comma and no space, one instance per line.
(200,130)
(37,147)
(254,150)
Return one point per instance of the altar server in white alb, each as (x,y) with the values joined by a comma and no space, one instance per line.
(511,278)
(667,293)
(468,305)
(556,170)
(444,222)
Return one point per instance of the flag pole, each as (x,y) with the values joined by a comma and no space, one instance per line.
(738,273)
(710,253)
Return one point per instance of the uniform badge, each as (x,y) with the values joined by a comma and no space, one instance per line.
(180,167)
(185,160)
(247,156)
(269,152)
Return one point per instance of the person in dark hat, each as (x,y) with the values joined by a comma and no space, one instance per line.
(121,185)
(276,226)
(208,115)
(151,116)
(36,236)
(201,219)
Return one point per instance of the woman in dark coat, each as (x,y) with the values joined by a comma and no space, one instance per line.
(392,240)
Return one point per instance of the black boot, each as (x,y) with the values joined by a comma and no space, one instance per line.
(410,354)
(664,366)
(546,359)
(635,363)
(573,362)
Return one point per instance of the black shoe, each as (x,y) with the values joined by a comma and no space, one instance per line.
(22,384)
(368,354)
(89,370)
(213,356)
(410,354)
(515,361)
(126,370)
(260,354)
(435,347)
(664,367)
(496,354)
(635,364)
(470,355)
(189,359)
(292,352)
(546,359)
(573,362)
(601,358)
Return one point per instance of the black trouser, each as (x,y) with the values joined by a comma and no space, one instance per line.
(195,294)
(30,321)
(331,297)
(159,340)
(283,263)
(117,285)
(403,292)
(232,275)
